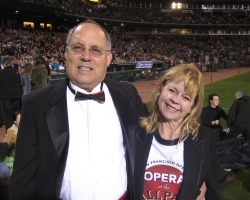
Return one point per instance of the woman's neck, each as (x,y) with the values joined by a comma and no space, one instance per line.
(169,131)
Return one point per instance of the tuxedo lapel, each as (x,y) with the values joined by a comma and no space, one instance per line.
(193,151)
(57,121)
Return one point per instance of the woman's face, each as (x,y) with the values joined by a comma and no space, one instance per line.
(174,103)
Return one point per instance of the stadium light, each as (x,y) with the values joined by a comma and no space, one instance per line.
(176,5)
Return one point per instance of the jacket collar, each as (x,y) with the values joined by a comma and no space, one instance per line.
(193,151)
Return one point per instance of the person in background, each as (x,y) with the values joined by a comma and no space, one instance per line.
(175,155)
(48,68)
(73,126)
(239,117)
(11,134)
(61,66)
(211,117)
(212,114)
(39,74)
(10,91)
(4,170)
(1,117)
(56,65)
(2,67)
(215,64)
(15,62)
(4,187)
(25,79)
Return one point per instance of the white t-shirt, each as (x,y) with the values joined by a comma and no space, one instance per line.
(164,170)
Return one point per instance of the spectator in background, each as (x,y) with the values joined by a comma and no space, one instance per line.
(25,78)
(211,115)
(1,117)
(11,134)
(4,186)
(48,66)
(215,64)
(1,66)
(39,74)
(61,66)
(55,65)
(239,117)
(4,170)
(10,91)
(16,62)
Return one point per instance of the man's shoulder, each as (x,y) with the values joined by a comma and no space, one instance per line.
(243,98)
(206,108)
(118,85)
(9,71)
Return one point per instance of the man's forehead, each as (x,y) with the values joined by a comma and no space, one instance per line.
(88,36)
(87,27)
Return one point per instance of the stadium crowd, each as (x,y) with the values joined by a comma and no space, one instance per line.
(25,44)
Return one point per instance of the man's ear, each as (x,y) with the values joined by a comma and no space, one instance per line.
(109,58)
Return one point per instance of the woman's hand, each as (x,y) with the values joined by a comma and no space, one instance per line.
(203,190)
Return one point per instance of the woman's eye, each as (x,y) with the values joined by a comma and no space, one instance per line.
(187,98)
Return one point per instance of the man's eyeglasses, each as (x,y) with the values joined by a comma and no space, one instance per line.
(94,51)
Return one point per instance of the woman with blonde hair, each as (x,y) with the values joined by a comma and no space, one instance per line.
(175,155)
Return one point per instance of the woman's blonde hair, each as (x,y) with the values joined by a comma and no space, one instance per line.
(194,87)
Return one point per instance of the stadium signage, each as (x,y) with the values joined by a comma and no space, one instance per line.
(144,64)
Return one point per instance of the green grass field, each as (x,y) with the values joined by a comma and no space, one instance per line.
(239,188)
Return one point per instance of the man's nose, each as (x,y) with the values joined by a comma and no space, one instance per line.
(86,55)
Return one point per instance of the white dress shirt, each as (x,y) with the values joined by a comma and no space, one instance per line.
(96,166)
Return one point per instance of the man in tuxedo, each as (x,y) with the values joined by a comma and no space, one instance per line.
(76,138)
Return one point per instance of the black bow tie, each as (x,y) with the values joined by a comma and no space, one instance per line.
(99,96)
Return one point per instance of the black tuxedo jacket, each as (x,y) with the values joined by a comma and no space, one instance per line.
(10,83)
(43,139)
(199,165)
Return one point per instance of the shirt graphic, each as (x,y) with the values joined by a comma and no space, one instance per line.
(164,171)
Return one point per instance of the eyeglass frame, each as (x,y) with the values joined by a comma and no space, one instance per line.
(89,49)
